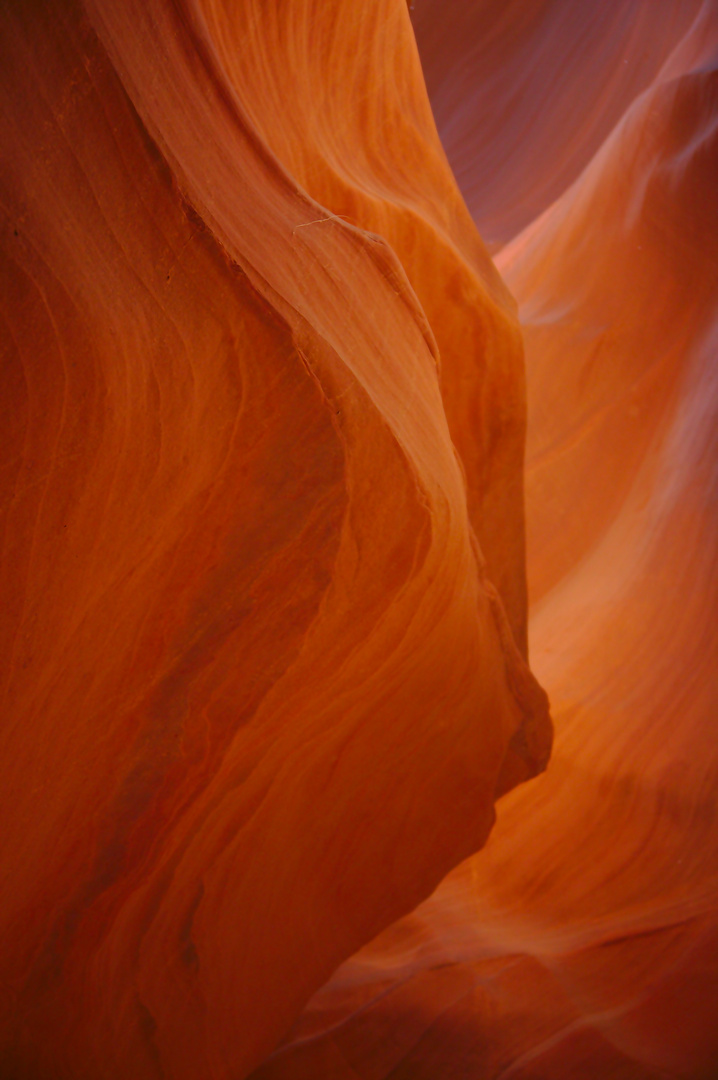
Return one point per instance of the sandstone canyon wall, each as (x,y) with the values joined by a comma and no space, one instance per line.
(526,91)
(264,596)
(263,584)
(583,941)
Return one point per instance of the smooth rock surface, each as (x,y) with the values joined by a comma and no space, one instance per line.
(583,941)
(264,619)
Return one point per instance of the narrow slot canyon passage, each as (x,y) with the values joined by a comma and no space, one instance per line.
(358,540)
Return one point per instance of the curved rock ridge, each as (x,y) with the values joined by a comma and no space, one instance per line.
(264,625)
(583,940)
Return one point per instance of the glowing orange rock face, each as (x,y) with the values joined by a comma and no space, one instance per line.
(260,690)
(583,940)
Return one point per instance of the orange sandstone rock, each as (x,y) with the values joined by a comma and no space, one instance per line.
(259,690)
(583,940)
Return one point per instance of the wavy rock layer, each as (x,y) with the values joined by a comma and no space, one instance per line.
(583,941)
(263,632)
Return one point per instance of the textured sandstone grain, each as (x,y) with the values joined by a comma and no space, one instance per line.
(263,628)
(583,940)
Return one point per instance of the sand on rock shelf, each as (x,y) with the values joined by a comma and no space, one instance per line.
(264,629)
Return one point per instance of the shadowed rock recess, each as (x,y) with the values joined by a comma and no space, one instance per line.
(263,563)
(263,629)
